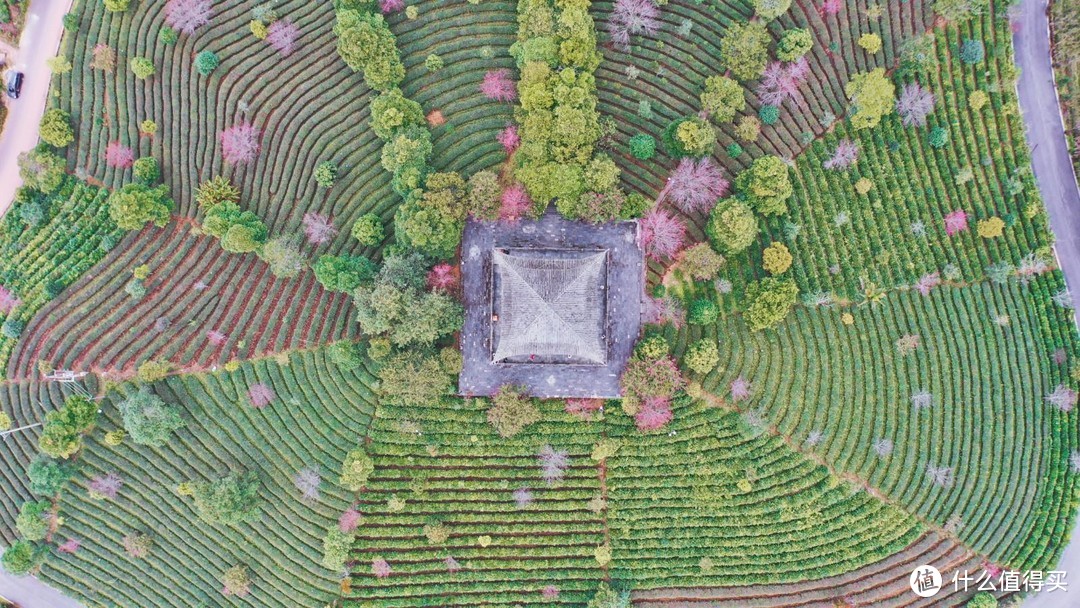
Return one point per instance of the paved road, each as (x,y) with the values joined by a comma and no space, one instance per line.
(40,41)
(1057,183)
(28,592)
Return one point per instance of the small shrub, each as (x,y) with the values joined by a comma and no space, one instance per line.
(146,170)
(355,470)
(206,62)
(871,43)
(142,67)
(702,356)
(55,128)
(368,230)
(991,227)
(643,147)
(769,114)
(972,51)
(702,311)
(325,174)
(776,259)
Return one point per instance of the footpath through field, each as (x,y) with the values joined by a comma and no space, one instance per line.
(39,42)
(1057,183)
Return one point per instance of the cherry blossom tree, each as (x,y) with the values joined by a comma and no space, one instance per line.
(499,85)
(550,593)
(661,234)
(914,105)
(845,155)
(70,546)
(739,389)
(318,228)
(119,156)
(452,565)
(553,464)
(282,35)
(653,414)
(515,203)
(940,475)
(380,568)
(830,7)
(781,81)
(308,480)
(1062,397)
(106,486)
(927,282)
(523,497)
(391,6)
(956,221)
(883,447)
(240,143)
(443,277)
(8,300)
(349,520)
(260,395)
(632,17)
(509,138)
(583,408)
(922,399)
(695,185)
(666,309)
(186,16)
(216,337)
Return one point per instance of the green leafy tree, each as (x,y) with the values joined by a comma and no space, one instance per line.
(336,547)
(282,254)
(732,226)
(938,138)
(983,599)
(146,170)
(62,432)
(142,67)
(484,198)
(206,62)
(148,420)
(642,146)
(744,49)
(217,190)
(702,311)
(48,476)
(771,9)
(230,500)
(972,51)
(512,410)
(872,96)
(55,128)
(689,136)
(413,378)
(343,273)
(368,230)
(652,347)
(326,174)
(356,469)
(722,98)
(33,519)
(701,262)
(770,301)
(133,205)
(23,557)
(702,356)
(766,185)
(12,328)
(117,6)
(392,111)
(239,231)
(769,114)
(958,11)
(346,354)
(606,597)
(794,43)
(433,63)
(41,169)
(433,221)
(366,44)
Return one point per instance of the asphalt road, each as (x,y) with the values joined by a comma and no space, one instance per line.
(39,42)
(1057,183)
(28,592)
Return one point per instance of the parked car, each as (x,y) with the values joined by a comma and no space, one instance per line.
(14,84)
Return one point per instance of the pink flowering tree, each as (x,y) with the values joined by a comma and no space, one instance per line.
(349,520)
(106,486)
(70,546)
(956,221)
(845,155)
(583,408)
(695,185)
(260,395)
(391,6)
(632,17)
(452,565)
(282,35)
(318,228)
(499,85)
(216,337)
(515,203)
(666,309)
(914,105)
(549,593)
(186,16)
(240,143)
(781,81)
(118,155)
(653,414)
(308,481)
(380,568)
(661,234)
(740,389)
(509,138)
(443,277)
(523,498)
(927,282)
(8,300)
(830,7)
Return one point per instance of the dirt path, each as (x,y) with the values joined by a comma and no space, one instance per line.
(40,41)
